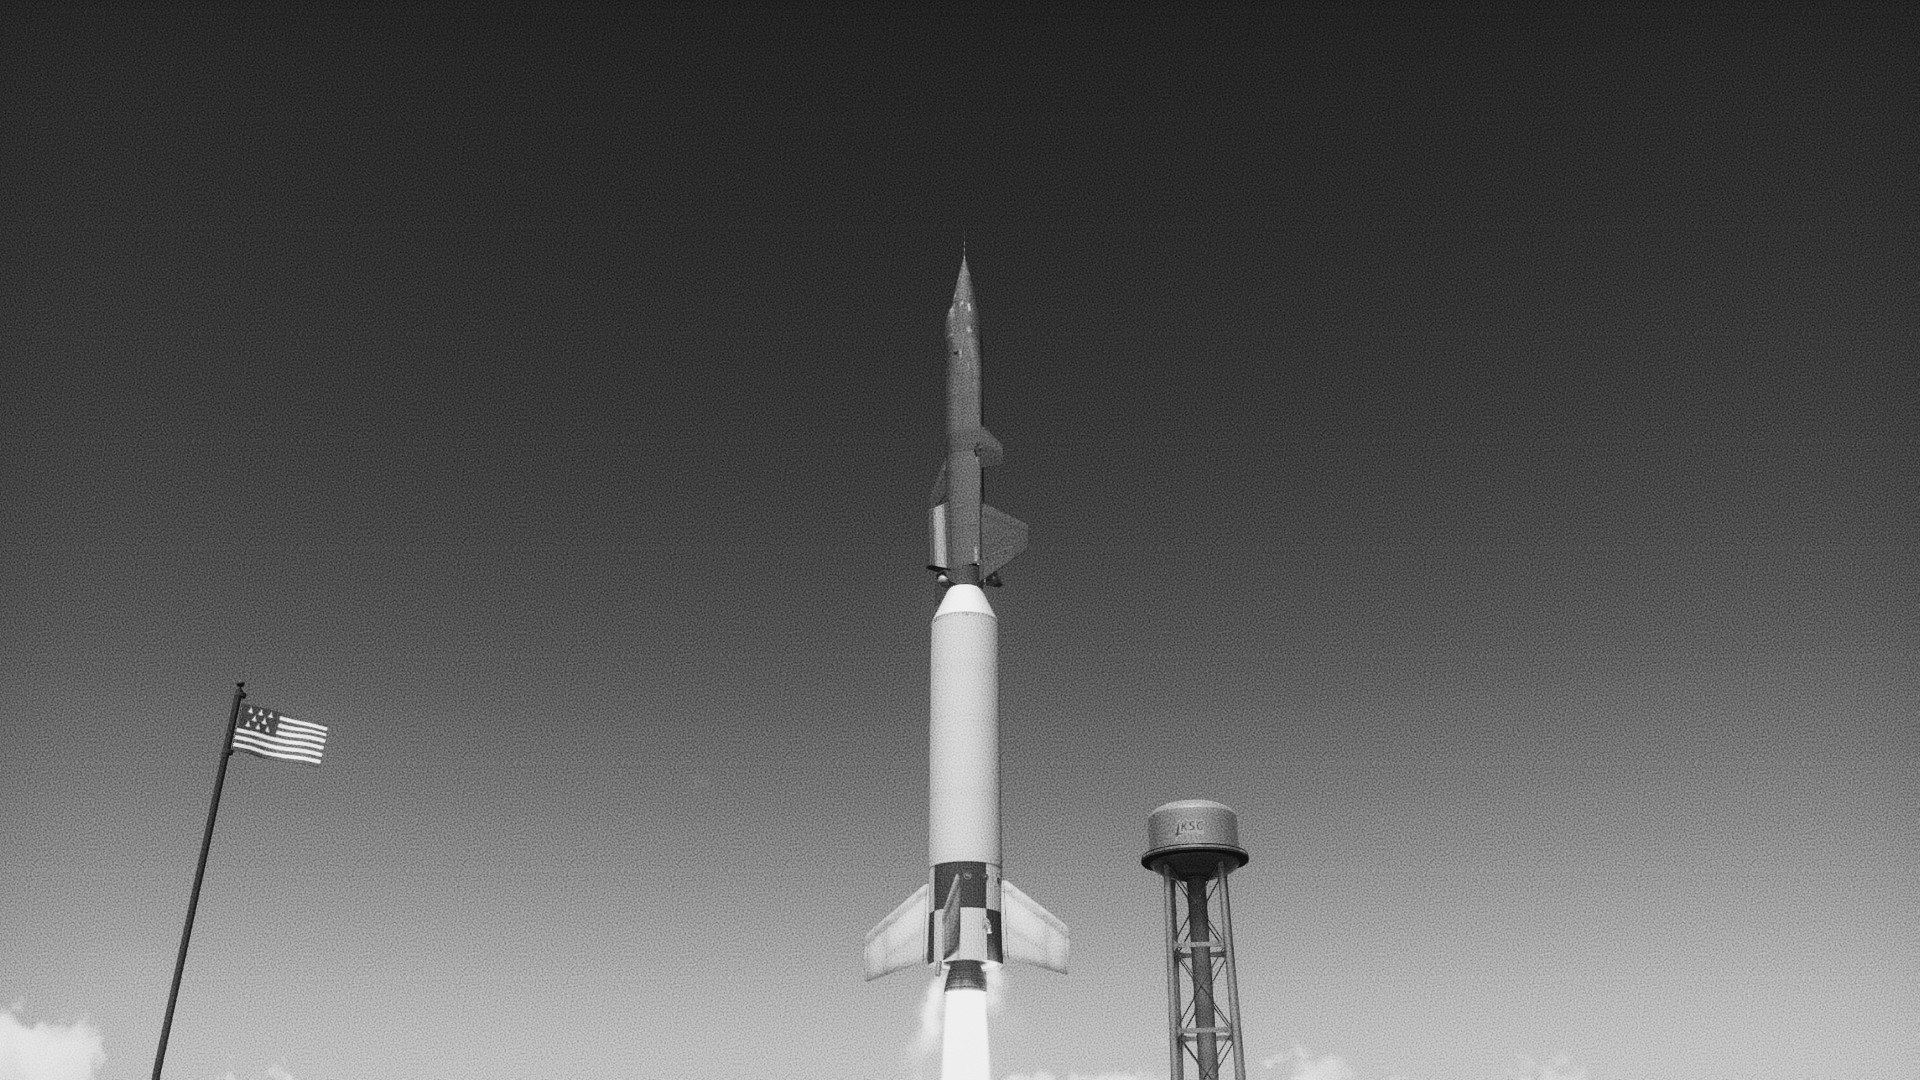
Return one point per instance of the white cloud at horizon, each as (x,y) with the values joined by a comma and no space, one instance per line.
(275,1071)
(48,1051)
(1302,1065)
(1044,1075)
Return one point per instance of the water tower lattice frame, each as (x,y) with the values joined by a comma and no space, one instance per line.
(1195,847)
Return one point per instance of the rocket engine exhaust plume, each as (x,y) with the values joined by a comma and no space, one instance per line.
(963,1040)
(926,1041)
(996,988)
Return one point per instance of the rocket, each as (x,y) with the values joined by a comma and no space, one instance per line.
(966,916)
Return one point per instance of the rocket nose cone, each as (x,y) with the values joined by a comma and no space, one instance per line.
(968,598)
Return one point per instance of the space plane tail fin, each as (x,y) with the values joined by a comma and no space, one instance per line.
(1002,536)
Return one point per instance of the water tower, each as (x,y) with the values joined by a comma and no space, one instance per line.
(1193,845)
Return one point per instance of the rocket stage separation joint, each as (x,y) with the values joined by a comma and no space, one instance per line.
(966,916)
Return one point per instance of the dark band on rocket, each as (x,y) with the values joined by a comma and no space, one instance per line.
(964,885)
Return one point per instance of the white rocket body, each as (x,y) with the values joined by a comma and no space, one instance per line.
(977,917)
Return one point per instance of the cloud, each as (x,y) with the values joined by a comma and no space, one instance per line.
(47,1051)
(1044,1075)
(1304,1066)
(275,1071)
(1296,1063)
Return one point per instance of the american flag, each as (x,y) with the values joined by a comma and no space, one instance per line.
(271,735)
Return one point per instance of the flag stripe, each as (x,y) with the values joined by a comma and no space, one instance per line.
(301,740)
(290,740)
(298,737)
(278,755)
(274,752)
(283,755)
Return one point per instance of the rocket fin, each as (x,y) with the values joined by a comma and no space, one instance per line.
(1002,536)
(950,921)
(937,536)
(1030,933)
(938,495)
(985,446)
(900,939)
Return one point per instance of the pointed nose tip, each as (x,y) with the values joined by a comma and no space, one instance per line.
(963,289)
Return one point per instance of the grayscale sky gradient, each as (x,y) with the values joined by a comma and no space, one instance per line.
(1479,449)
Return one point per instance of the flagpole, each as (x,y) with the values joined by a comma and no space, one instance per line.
(206,840)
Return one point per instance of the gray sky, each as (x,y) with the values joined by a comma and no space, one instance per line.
(1478,450)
